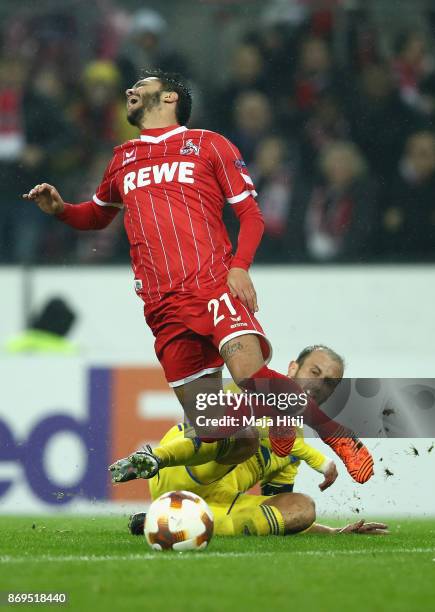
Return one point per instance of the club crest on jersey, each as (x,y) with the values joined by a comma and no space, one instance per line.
(189,148)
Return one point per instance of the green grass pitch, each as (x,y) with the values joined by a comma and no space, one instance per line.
(102,567)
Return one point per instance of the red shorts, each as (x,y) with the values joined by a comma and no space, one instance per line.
(191,327)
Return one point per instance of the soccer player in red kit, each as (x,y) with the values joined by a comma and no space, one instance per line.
(172,183)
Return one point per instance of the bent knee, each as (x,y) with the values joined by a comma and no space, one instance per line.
(298,511)
(308,511)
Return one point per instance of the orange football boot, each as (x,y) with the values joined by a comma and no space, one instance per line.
(353,453)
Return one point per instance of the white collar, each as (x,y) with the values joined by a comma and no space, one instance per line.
(157,139)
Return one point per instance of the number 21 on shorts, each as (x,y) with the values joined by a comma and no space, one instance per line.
(215,305)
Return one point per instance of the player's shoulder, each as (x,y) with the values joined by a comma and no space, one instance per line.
(128,144)
(208,136)
(123,154)
(216,145)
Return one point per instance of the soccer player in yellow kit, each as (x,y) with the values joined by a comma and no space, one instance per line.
(224,487)
(278,511)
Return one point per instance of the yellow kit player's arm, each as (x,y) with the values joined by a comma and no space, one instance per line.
(315,459)
(284,480)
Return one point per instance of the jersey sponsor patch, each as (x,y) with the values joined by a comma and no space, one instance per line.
(181,172)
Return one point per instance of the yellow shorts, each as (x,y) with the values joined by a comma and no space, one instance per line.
(222,512)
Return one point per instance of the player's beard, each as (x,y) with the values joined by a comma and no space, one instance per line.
(137,115)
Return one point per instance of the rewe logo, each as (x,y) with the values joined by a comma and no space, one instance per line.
(182,172)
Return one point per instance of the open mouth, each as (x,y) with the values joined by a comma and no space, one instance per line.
(132,101)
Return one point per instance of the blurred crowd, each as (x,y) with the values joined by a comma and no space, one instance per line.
(341,147)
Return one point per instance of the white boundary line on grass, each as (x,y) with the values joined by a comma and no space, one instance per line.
(207,555)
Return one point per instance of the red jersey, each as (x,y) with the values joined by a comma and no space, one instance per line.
(173,183)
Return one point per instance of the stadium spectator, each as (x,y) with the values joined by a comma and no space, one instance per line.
(411,66)
(52,148)
(253,121)
(340,210)
(277,36)
(314,75)
(52,143)
(100,111)
(325,124)
(52,41)
(380,120)
(34,137)
(246,74)
(409,217)
(273,175)
(148,46)
(12,149)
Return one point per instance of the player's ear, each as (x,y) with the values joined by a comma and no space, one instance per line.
(169,97)
(293,367)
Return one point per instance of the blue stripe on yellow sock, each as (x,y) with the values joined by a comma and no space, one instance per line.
(267,516)
(273,519)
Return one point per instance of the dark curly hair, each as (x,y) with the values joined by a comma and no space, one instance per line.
(172,81)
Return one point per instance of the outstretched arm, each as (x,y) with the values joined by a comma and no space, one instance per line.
(84,216)
(360,527)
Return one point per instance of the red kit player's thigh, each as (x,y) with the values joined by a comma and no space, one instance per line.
(188,357)
(183,354)
(221,317)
